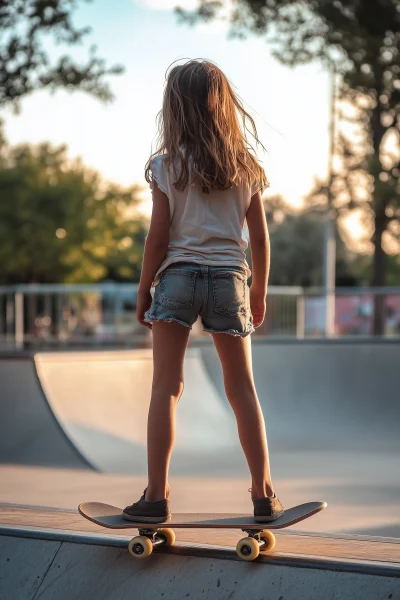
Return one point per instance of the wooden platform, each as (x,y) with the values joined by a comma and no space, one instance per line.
(289,542)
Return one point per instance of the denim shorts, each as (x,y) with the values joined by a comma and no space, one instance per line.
(220,295)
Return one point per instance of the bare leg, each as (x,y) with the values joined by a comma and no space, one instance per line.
(235,356)
(169,346)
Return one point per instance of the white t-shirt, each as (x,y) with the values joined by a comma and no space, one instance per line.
(205,229)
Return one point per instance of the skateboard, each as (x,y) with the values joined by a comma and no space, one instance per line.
(259,535)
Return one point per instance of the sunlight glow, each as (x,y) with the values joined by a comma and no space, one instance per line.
(355,226)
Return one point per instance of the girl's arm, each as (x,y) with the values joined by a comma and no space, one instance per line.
(154,251)
(260,257)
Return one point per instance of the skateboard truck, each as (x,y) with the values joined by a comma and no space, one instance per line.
(247,548)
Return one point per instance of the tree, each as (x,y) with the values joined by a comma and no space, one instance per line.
(59,222)
(360,39)
(25,65)
(297,246)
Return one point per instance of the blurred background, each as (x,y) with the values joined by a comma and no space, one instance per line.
(80,87)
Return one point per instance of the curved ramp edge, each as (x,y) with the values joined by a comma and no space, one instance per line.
(30,433)
(101,400)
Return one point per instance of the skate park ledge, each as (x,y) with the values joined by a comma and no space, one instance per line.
(60,560)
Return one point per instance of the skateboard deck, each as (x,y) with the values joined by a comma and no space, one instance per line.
(153,534)
(111,517)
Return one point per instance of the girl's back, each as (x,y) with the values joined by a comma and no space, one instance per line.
(204,228)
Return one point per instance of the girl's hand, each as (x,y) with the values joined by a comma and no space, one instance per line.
(257,306)
(143,304)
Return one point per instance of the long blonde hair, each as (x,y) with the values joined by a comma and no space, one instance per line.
(199,121)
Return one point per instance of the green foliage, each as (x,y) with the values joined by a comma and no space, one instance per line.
(60,223)
(25,65)
(362,268)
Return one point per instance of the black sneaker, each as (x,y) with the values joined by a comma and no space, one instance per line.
(267,509)
(145,511)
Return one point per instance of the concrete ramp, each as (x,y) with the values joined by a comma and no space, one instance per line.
(72,566)
(29,432)
(332,412)
(325,395)
(101,399)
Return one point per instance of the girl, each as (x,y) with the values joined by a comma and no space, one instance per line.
(205,183)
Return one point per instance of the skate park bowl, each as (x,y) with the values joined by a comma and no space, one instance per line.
(73,428)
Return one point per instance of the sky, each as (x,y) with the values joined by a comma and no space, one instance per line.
(290,106)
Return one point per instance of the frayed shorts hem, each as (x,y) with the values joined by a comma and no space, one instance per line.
(233,332)
(167,320)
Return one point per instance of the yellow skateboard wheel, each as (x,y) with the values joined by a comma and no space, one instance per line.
(140,546)
(168,535)
(269,540)
(248,548)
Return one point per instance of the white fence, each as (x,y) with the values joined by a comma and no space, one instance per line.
(104,314)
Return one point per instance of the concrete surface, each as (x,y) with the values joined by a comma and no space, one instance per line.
(351,499)
(39,570)
(332,414)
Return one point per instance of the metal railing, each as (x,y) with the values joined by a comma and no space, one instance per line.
(37,316)
(68,315)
